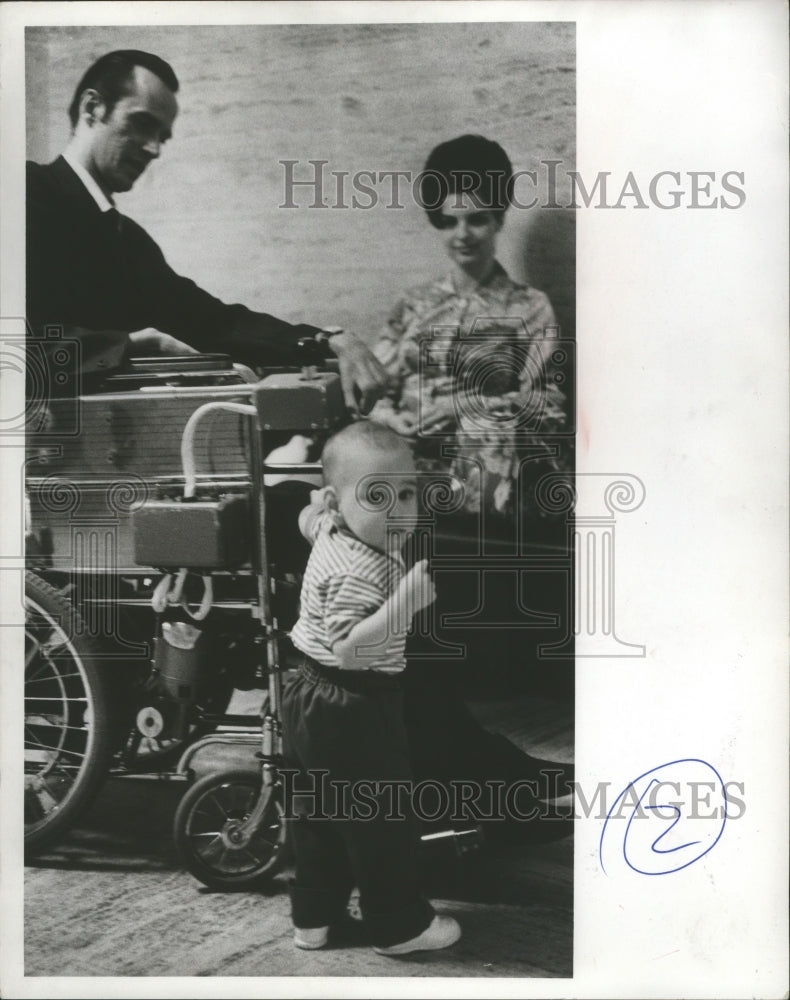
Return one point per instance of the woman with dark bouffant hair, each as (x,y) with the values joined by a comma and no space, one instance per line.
(470,355)
(474,393)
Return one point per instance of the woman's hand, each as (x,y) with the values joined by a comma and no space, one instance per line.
(433,416)
(403,423)
(437,414)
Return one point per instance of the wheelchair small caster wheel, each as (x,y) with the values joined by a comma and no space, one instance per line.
(208,832)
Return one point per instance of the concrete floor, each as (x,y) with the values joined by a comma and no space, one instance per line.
(111,899)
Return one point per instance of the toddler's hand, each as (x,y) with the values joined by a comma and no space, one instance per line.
(416,589)
(309,516)
(318,497)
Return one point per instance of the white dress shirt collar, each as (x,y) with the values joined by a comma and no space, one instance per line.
(93,189)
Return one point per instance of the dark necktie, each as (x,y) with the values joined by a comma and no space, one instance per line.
(113,220)
(113,243)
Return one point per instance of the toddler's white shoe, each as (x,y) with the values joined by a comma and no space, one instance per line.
(440,933)
(311,938)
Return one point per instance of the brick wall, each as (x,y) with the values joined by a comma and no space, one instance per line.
(361,97)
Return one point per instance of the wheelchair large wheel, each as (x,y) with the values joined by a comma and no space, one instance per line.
(204,827)
(68,737)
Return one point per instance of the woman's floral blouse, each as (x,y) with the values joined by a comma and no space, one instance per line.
(479,371)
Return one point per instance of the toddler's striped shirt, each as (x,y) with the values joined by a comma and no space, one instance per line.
(344,583)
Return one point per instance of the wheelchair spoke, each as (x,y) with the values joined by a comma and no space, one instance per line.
(35,744)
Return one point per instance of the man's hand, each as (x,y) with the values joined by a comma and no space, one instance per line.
(362,376)
(416,590)
(152,341)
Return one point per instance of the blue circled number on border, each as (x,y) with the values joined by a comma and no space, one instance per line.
(654,846)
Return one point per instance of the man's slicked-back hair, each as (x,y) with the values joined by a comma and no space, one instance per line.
(110,74)
(362,435)
(468,164)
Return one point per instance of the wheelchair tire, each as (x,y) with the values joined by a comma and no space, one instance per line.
(203,820)
(68,719)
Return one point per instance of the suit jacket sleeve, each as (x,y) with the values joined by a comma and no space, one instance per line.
(96,284)
(188,312)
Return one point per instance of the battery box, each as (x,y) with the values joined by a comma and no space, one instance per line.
(293,401)
(196,534)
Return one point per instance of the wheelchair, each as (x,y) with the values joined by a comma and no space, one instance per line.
(163,576)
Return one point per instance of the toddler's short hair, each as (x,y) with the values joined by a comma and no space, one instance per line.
(362,434)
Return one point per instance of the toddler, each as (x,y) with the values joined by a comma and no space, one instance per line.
(342,713)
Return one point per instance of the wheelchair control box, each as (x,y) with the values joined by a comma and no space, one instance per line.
(291,401)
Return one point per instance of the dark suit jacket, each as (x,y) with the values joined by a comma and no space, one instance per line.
(100,276)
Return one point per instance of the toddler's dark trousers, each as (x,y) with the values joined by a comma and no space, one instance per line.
(350,724)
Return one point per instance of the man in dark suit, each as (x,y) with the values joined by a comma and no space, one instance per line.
(101,279)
